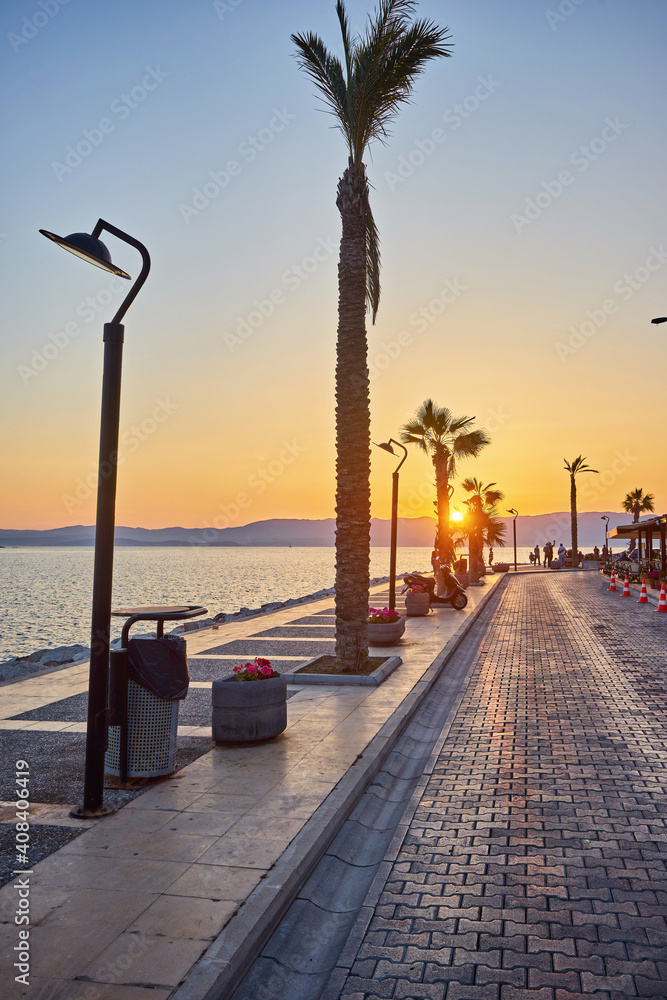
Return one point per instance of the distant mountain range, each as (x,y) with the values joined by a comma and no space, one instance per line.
(412,531)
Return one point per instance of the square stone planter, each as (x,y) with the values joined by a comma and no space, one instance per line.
(417,604)
(302,676)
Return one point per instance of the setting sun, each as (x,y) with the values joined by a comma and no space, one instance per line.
(456,515)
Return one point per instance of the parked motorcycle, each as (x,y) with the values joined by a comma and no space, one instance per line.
(456,596)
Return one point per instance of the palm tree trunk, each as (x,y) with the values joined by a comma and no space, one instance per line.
(352,430)
(573,520)
(445,547)
(475,547)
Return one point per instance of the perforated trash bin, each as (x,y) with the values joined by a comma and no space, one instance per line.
(156,679)
(152,725)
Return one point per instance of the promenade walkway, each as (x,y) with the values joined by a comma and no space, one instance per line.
(533,863)
(194,869)
(524,858)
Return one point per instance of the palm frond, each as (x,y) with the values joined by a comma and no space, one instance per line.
(348,41)
(372,263)
(389,57)
(578,465)
(459,423)
(326,71)
(414,432)
(469,445)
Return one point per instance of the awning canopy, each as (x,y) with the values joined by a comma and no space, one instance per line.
(652,524)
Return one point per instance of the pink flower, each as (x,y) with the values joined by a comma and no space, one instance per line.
(265,670)
(251,668)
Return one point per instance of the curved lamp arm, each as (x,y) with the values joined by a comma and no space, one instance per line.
(103,226)
(405,453)
(387,446)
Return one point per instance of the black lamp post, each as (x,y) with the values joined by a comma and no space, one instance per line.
(605,518)
(387,445)
(511,510)
(659,319)
(90,248)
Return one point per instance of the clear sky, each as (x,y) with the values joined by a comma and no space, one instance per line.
(521,206)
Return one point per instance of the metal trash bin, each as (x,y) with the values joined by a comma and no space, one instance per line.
(152,724)
(148,678)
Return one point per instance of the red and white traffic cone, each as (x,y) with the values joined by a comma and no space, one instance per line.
(662,603)
(626,587)
(643,597)
(612,582)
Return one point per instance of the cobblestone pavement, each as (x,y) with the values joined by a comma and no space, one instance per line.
(534,864)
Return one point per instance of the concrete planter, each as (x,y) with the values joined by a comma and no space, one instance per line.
(249,711)
(385,634)
(417,604)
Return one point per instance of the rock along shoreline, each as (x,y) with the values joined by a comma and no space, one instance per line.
(47,660)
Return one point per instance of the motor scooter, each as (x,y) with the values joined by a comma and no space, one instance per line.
(456,596)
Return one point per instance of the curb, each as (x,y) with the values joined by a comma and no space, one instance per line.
(227,960)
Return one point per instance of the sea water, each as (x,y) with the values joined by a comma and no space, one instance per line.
(45,592)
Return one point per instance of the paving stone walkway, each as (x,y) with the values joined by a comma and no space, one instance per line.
(534,864)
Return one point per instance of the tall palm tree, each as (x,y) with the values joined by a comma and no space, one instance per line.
(637,502)
(484,524)
(446,439)
(574,468)
(364,96)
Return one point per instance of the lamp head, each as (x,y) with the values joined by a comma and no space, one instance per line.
(387,447)
(88,248)
(511,510)
(659,319)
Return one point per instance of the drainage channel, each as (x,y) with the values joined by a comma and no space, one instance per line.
(305,948)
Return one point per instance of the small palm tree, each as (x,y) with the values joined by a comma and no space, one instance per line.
(364,96)
(446,439)
(637,502)
(574,468)
(484,524)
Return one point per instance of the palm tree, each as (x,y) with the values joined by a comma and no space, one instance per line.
(446,439)
(574,468)
(484,524)
(364,96)
(637,502)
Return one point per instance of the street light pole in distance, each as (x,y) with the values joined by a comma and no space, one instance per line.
(387,446)
(605,518)
(511,510)
(89,247)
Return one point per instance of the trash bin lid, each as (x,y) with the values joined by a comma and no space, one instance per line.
(152,610)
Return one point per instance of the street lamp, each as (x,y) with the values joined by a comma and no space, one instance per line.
(89,247)
(387,446)
(605,518)
(511,510)
(659,319)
